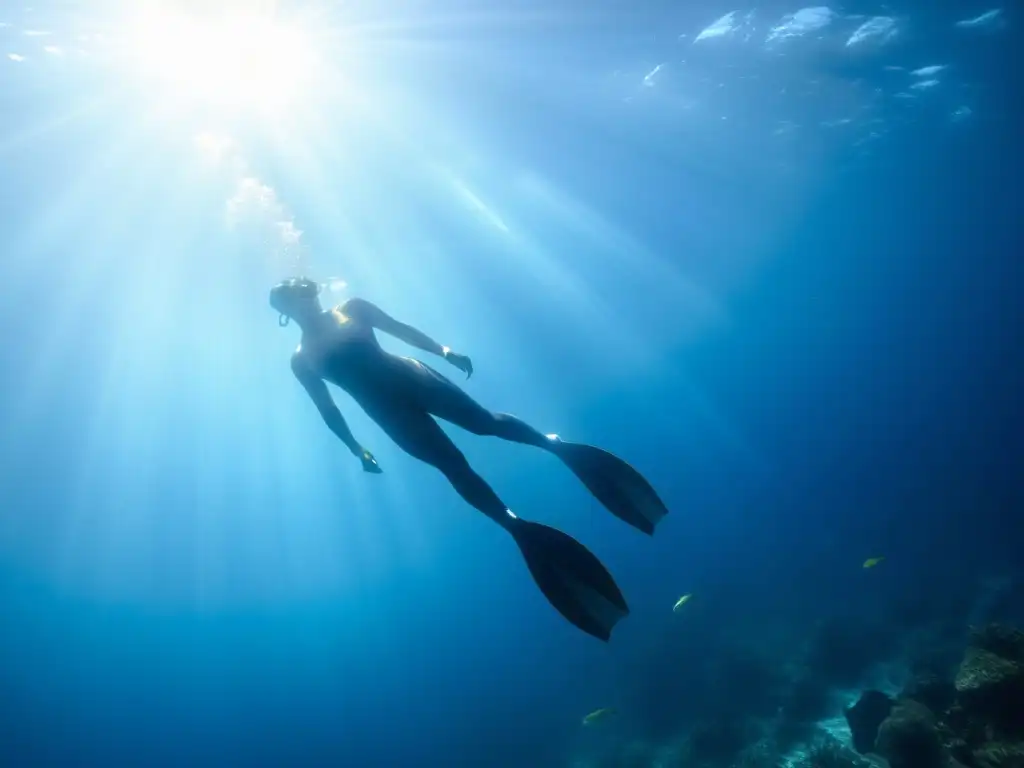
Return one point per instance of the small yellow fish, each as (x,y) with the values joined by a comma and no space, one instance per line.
(681,602)
(871,562)
(598,715)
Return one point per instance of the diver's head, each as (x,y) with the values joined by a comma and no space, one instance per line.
(297,298)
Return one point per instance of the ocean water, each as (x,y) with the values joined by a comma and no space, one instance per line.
(769,255)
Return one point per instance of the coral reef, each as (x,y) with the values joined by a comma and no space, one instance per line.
(866,717)
(990,681)
(931,689)
(830,753)
(1005,642)
(763,708)
(975,720)
(1000,755)
(909,737)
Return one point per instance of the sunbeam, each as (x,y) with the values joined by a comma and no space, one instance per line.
(234,60)
(692,273)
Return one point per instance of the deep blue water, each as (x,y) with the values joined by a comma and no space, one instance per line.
(804,332)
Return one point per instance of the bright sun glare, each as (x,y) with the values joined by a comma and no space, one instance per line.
(237,60)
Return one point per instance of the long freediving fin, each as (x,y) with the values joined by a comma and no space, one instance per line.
(617,485)
(572,578)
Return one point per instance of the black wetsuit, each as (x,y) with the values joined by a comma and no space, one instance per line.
(403,395)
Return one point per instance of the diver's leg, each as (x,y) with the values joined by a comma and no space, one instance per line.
(474,418)
(416,433)
(446,400)
(570,576)
(616,484)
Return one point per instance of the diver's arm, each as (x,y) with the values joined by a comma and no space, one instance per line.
(324,403)
(365,311)
(332,417)
(361,309)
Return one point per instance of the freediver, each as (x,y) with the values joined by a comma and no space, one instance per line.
(403,395)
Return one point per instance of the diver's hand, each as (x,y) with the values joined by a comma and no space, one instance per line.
(369,463)
(461,362)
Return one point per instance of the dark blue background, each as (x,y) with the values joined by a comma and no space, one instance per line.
(862,398)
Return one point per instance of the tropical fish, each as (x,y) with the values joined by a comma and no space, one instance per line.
(681,602)
(871,562)
(598,715)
